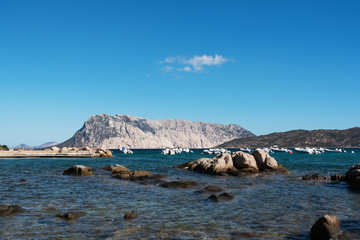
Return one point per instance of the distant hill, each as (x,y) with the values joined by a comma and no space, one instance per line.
(23,146)
(46,145)
(301,138)
(133,132)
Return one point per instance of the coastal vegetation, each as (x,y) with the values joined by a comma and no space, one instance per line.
(4,148)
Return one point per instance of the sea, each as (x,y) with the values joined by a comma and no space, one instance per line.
(265,206)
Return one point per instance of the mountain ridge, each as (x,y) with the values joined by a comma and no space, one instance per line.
(128,131)
(301,138)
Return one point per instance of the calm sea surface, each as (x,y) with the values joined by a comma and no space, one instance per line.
(264,206)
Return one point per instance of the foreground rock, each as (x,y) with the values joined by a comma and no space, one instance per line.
(6,210)
(78,170)
(238,162)
(326,227)
(353,176)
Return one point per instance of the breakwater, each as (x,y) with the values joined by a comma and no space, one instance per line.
(55,152)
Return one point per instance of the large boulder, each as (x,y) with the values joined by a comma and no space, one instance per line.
(244,160)
(220,163)
(326,228)
(6,210)
(264,160)
(78,170)
(353,176)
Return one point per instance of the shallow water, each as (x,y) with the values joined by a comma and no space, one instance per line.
(265,206)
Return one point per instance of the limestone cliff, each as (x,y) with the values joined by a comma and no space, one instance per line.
(133,132)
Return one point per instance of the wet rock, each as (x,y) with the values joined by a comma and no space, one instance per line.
(243,160)
(78,170)
(108,168)
(212,188)
(130,215)
(70,216)
(353,176)
(23,180)
(179,184)
(314,176)
(6,210)
(121,175)
(338,177)
(326,227)
(221,197)
(120,169)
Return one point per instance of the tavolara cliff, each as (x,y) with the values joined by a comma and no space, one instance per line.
(133,132)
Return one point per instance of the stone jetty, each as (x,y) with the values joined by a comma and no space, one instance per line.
(55,152)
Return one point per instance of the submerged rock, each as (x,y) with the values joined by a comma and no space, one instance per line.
(179,184)
(212,188)
(314,176)
(122,172)
(130,215)
(70,216)
(221,197)
(78,170)
(338,177)
(326,228)
(6,210)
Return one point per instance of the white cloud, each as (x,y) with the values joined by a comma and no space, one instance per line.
(167,69)
(184,69)
(197,62)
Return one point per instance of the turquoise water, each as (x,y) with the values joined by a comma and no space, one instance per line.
(265,206)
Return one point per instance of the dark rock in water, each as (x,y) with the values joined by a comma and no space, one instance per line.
(326,227)
(130,215)
(212,188)
(314,176)
(22,180)
(6,210)
(221,197)
(338,177)
(353,176)
(78,170)
(70,216)
(179,184)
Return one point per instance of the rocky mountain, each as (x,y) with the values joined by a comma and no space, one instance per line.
(133,132)
(301,138)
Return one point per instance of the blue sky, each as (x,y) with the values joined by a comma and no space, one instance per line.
(268,66)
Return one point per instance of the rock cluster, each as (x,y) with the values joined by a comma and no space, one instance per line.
(234,164)
(352,176)
(122,172)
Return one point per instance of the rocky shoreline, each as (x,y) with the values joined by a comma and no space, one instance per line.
(55,152)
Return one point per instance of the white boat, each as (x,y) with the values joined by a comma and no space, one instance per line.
(307,150)
(336,150)
(277,149)
(173,151)
(248,150)
(215,151)
(126,151)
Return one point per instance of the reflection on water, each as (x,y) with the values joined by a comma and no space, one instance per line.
(264,206)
